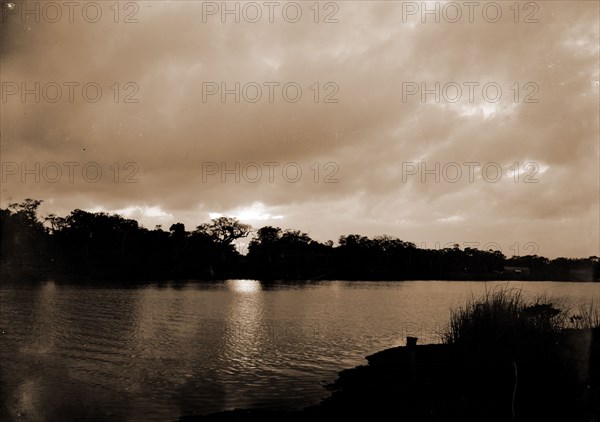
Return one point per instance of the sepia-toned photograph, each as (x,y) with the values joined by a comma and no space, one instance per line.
(300,211)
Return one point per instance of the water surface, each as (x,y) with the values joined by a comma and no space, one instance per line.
(159,351)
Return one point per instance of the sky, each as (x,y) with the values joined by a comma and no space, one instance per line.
(435,122)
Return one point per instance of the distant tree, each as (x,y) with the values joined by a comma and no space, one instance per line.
(23,240)
(353,240)
(266,235)
(26,211)
(225,230)
(295,237)
(177,230)
(56,223)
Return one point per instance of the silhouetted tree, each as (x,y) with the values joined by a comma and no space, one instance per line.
(100,244)
(225,229)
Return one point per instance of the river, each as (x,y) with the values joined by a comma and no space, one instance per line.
(161,350)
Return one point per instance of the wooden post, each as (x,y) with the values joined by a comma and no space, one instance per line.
(411,346)
(411,342)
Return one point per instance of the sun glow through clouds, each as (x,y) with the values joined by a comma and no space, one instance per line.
(255,212)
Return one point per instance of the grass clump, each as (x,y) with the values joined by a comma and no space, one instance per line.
(504,316)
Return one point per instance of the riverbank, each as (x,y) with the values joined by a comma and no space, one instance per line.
(540,380)
(20,276)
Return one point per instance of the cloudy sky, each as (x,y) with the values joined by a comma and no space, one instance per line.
(479,129)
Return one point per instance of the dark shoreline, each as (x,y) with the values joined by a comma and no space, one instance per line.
(97,245)
(536,381)
(7,277)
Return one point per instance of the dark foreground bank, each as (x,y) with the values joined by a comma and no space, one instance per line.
(544,380)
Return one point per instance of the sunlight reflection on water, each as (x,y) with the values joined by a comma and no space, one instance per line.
(158,351)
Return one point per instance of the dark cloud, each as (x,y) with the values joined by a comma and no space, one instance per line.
(369,133)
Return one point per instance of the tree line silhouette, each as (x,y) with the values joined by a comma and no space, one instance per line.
(100,245)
